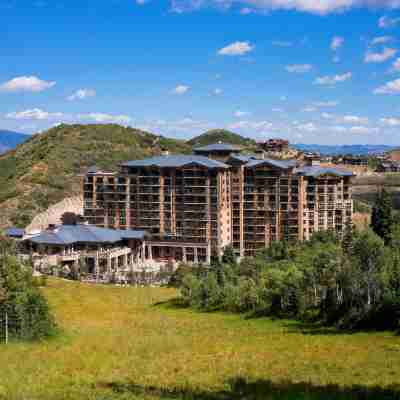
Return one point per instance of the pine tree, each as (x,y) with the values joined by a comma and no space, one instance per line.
(382,216)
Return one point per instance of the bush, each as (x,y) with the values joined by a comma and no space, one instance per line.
(27,309)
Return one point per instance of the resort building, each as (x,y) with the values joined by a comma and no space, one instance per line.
(193,206)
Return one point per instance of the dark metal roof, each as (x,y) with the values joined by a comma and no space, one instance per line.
(217,147)
(282,164)
(175,162)
(15,232)
(242,158)
(69,234)
(315,171)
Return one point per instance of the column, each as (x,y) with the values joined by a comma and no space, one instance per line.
(184,259)
(209,253)
(150,250)
(196,258)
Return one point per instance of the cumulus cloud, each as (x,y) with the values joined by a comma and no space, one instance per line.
(307,127)
(299,68)
(363,130)
(392,87)
(354,119)
(106,118)
(322,104)
(390,122)
(257,126)
(181,89)
(333,80)
(34,114)
(381,40)
(396,66)
(386,54)
(337,42)
(240,114)
(82,94)
(26,84)
(236,49)
(321,7)
(386,22)
(309,109)
(217,92)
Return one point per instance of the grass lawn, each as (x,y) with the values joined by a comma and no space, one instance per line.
(118,343)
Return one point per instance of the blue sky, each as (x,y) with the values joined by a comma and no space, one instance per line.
(325,71)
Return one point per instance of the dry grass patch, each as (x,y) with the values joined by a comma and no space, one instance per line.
(116,343)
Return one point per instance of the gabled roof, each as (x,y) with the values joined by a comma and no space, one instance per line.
(175,162)
(15,232)
(217,147)
(281,164)
(315,171)
(70,234)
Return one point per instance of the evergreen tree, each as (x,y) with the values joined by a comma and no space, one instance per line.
(348,235)
(382,216)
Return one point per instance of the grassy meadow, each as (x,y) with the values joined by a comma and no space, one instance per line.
(131,343)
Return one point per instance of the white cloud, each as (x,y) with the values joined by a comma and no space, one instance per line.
(338,128)
(236,49)
(387,22)
(321,7)
(308,127)
(26,84)
(141,2)
(240,114)
(381,40)
(391,122)
(327,104)
(332,80)
(337,42)
(309,109)
(246,11)
(257,126)
(106,118)
(82,94)
(386,54)
(299,68)
(326,115)
(277,110)
(181,89)
(217,91)
(355,119)
(392,87)
(363,130)
(34,114)
(396,66)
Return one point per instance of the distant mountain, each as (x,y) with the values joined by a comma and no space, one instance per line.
(9,140)
(356,149)
(220,135)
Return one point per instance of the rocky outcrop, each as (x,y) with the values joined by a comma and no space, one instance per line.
(52,216)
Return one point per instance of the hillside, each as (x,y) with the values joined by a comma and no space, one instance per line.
(43,170)
(220,135)
(9,140)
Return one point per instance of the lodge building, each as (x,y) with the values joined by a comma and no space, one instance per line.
(193,206)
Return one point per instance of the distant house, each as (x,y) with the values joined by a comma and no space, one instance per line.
(274,145)
(355,161)
(389,166)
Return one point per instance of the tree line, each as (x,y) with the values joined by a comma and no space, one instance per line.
(350,282)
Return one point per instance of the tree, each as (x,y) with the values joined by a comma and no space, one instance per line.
(382,216)
(229,256)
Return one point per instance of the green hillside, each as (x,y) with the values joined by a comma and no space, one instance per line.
(221,135)
(44,169)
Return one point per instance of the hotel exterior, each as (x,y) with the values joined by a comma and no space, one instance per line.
(193,206)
